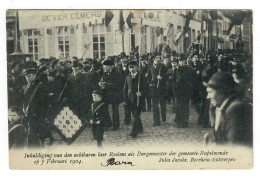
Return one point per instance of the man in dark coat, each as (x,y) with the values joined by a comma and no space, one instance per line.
(172,75)
(133,96)
(78,91)
(109,84)
(34,106)
(183,92)
(157,76)
(16,81)
(144,68)
(123,72)
(233,120)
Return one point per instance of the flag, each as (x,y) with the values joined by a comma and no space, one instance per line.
(121,21)
(236,19)
(187,24)
(214,14)
(108,17)
(128,20)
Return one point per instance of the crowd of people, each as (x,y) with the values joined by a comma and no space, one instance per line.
(218,85)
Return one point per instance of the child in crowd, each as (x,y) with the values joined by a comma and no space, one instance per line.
(99,117)
(16,131)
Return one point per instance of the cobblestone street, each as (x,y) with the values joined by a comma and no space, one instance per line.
(166,134)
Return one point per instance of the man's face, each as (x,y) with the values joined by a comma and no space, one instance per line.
(59,65)
(143,62)
(123,61)
(75,69)
(157,60)
(166,61)
(13,117)
(215,97)
(50,78)
(68,64)
(30,77)
(107,68)
(195,58)
(181,63)
(174,65)
(96,97)
(132,69)
(220,57)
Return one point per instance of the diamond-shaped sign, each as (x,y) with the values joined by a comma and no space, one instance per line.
(67,123)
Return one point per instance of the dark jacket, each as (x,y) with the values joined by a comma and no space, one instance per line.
(235,123)
(112,87)
(184,81)
(155,83)
(79,93)
(131,88)
(35,110)
(17,136)
(99,112)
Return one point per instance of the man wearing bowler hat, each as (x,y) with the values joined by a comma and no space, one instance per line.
(183,93)
(34,106)
(157,77)
(233,121)
(109,84)
(134,96)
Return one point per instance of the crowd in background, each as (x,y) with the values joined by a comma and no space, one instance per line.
(169,78)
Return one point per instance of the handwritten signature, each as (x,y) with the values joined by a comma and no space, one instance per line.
(113,162)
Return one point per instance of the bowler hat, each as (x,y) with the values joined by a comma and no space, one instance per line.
(132,63)
(221,81)
(29,67)
(76,64)
(108,62)
(122,55)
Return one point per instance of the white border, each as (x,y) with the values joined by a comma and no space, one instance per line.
(126,4)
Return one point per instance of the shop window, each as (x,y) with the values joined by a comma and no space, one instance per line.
(63,42)
(33,44)
(99,45)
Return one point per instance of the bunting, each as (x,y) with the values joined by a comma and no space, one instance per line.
(121,21)
(108,17)
(128,20)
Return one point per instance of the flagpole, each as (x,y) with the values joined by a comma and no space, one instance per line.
(139,63)
(123,41)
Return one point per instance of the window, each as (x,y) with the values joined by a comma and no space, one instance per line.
(99,45)
(33,44)
(63,42)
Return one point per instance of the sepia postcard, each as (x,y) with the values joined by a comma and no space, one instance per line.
(130,89)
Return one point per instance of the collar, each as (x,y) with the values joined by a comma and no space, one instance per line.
(224,103)
(134,75)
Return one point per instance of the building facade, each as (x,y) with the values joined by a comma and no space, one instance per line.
(85,34)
